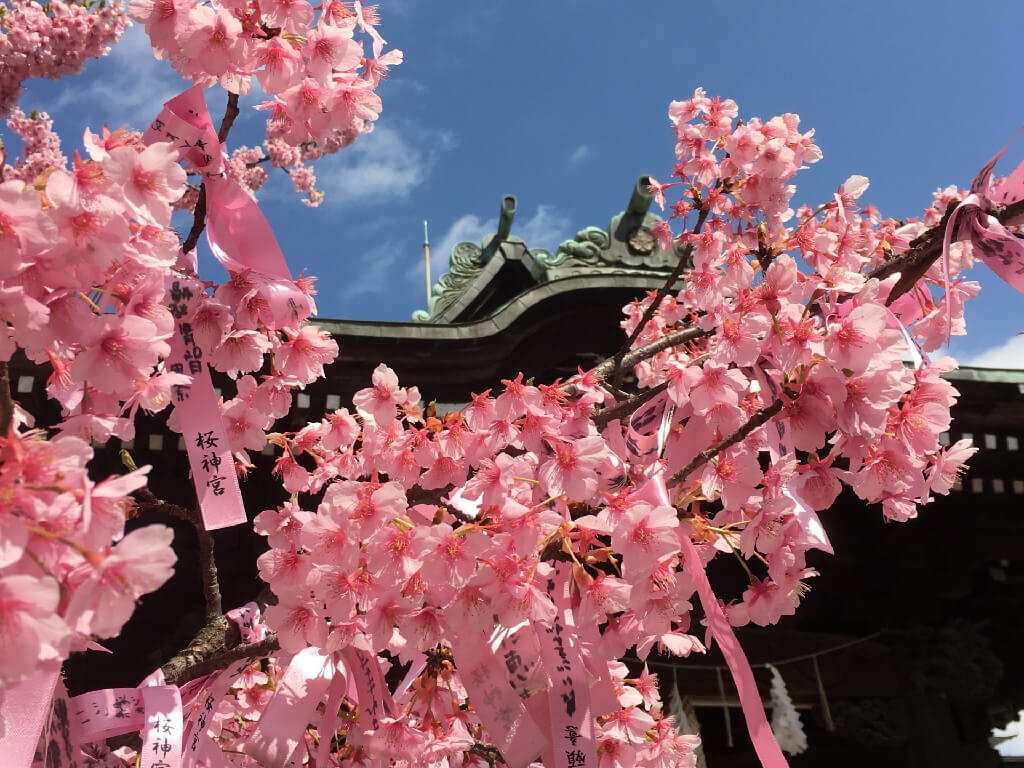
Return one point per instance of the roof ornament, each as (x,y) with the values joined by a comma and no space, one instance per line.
(481,278)
(506,214)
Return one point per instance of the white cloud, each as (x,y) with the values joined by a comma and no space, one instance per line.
(375,273)
(581,153)
(382,165)
(128,87)
(545,229)
(1007,355)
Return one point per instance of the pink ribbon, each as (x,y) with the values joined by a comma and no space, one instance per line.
(779,446)
(572,721)
(197,740)
(603,700)
(1001,250)
(767,749)
(249,621)
(97,715)
(642,432)
(501,711)
(282,726)
(329,722)
(55,747)
(206,440)
(24,709)
(238,233)
(161,740)
(374,698)
(241,239)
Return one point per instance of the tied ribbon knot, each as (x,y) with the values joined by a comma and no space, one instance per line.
(1000,250)
(237,231)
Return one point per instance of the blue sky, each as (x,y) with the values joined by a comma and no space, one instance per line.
(564,103)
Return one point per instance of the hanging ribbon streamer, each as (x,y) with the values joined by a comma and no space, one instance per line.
(161,740)
(603,700)
(241,239)
(572,722)
(199,721)
(24,709)
(54,746)
(767,749)
(501,711)
(98,715)
(329,722)
(238,233)
(643,432)
(282,726)
(780,446)
(601,690)
(374,698)
(206,440)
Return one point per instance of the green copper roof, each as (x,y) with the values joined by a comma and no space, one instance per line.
(483,278)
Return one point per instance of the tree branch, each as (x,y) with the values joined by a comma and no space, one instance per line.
(214,647)
(6,401)
(640,354)
(231,112)
(911,264)
(604,417)
(207,557)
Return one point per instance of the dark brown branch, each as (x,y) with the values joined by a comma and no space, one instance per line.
(215,647)
(231,112)
(198,221)
(208,572)
(207,557)
(6,401)
(218,644)
(763,416)
(604,417)
(490,753)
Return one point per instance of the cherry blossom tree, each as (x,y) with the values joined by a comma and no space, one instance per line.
(502,557)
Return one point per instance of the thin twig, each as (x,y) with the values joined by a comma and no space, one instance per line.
(670,281)
(761,417)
